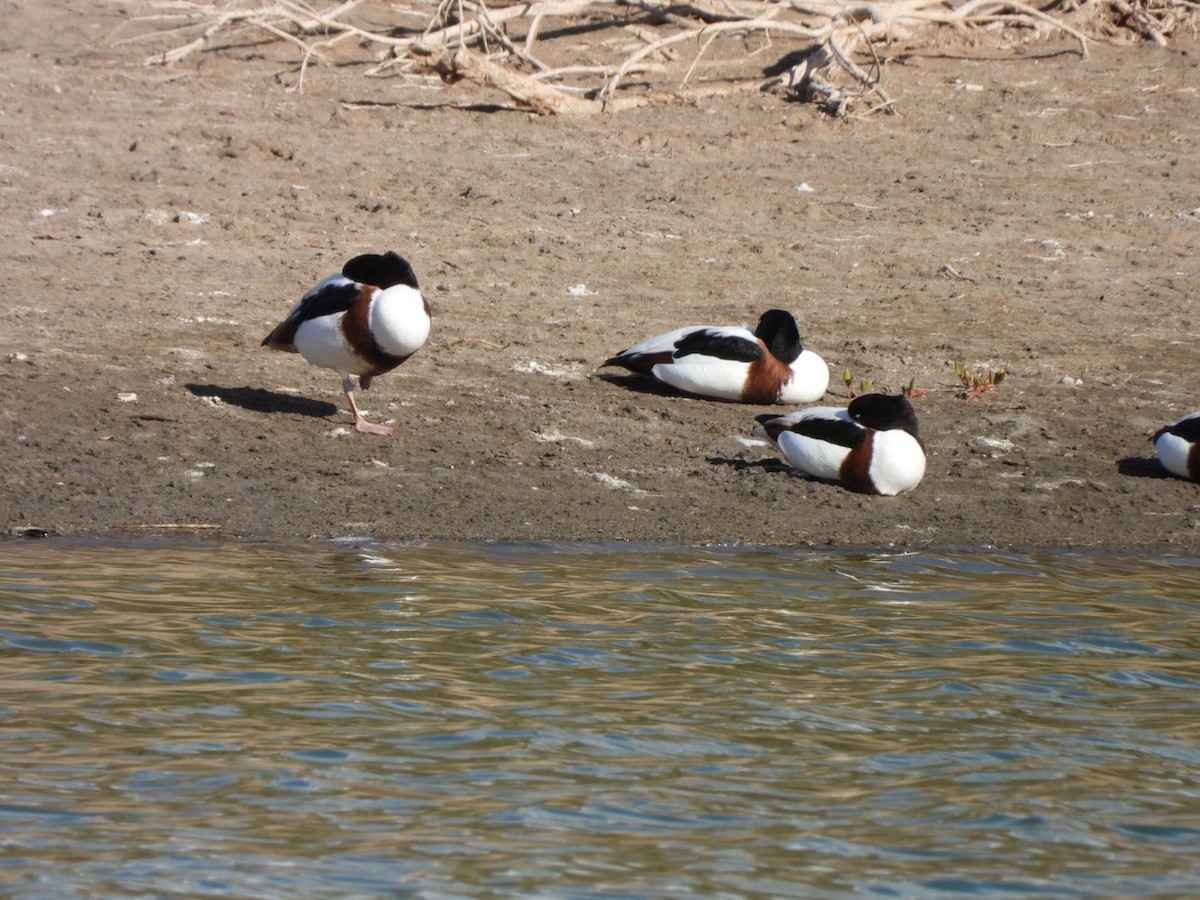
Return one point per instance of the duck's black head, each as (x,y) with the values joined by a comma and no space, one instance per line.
(384,270)
(778,330)
(884,412)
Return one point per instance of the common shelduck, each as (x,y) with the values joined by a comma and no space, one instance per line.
(1178,446)
(365,321)
(871,447)
(729,362)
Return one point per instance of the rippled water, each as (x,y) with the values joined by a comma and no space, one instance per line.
(360,719)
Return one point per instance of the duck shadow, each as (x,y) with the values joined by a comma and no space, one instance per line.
(264,401)
(1142,467)
(640,384)
(767,464)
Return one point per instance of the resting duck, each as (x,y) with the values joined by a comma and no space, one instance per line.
(1178,446)
(871,447)
(364,322)
(767,365)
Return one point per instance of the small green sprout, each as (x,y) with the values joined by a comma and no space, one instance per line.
(864,387)
(976,381)
(911,391)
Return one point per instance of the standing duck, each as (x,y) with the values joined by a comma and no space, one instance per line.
(365,321)
(1178,446)
(871,446)
(730,362)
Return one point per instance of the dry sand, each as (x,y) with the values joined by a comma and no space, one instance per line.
(1029,212)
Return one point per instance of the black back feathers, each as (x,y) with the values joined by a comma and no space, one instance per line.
(842,432)
(717,345)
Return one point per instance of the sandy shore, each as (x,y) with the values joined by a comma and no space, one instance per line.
(1034,214)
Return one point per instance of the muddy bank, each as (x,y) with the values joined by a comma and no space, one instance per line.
(1035,215)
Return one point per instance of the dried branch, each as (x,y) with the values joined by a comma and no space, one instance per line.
(465,32)
(510,50)
(542,98)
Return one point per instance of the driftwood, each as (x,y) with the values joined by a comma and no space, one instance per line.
(831,45)
(536,95)
(465,32)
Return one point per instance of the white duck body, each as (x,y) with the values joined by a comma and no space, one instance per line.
(396,321)
(818,458)
(695,373)
(1177,447)
(810,379)
(731,362)
(837,444)
(897,462)
(364,321)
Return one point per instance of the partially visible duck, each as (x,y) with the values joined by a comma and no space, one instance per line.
(1178,446)
(729,362)
(871,446)
(365,321)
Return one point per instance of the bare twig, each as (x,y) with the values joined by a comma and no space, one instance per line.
(433,41)
(544,99)
(826,35)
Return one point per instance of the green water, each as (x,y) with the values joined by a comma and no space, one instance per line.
(359,719)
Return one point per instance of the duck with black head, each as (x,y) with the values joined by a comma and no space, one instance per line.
(872,446)
(730,362)
(364,321)
(1178,446)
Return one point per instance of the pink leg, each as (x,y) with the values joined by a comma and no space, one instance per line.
(361,425)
